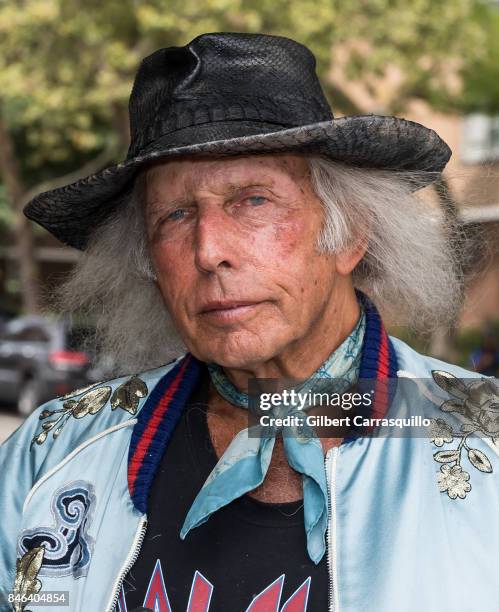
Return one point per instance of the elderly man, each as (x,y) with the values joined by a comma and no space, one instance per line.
(241,237)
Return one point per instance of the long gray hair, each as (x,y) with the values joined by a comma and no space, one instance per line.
(409,270)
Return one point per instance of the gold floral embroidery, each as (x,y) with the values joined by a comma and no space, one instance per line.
(453,481)
(478,403)
(93,399)
(26,583)
(90,403)
(80,390)
(128,394)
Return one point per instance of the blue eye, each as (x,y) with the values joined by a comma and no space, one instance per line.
(176,214)
(257,200)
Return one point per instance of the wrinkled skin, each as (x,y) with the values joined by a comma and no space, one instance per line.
(243,230)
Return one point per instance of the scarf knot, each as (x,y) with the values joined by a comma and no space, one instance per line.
(244,464)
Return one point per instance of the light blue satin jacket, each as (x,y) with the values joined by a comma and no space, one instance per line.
(408,531)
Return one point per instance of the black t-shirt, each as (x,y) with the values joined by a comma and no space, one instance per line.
(248,552)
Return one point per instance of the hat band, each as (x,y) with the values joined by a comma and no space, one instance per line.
(283,112)
(208,132)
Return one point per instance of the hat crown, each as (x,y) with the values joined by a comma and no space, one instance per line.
(223,77)
(233,94)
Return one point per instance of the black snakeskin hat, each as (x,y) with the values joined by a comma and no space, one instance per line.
(229,94)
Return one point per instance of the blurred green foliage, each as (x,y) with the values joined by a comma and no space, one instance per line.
(464,341)
(481,74)
(6,214)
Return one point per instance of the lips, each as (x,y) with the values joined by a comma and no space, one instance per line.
(225,305)
(227,313)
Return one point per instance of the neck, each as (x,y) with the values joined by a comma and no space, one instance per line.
(302,357)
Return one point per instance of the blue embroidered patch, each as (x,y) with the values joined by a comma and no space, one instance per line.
(68,546)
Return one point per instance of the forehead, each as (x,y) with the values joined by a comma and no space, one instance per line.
(191,174)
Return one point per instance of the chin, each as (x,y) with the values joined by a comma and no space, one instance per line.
(242,351)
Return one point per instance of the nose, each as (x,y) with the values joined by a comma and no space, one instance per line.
(215,241)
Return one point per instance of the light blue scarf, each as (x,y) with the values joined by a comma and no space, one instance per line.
(244,464)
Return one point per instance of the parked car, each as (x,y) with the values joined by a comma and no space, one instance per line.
(41,359)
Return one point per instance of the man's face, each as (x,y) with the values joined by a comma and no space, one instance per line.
(233,242)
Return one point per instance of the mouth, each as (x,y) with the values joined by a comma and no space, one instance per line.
(228,311)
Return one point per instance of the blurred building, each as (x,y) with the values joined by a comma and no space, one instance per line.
(473,176)
(54,261)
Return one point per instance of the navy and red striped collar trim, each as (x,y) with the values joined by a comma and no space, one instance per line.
(155,425)
(378,365)
(164,405)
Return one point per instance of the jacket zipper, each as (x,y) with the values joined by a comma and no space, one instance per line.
(331,461)
(132,557)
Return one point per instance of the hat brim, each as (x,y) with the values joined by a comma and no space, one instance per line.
(371,141)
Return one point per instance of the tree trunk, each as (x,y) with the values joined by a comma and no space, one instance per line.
(11,177)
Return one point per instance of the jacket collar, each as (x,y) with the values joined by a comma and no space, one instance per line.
(165,403)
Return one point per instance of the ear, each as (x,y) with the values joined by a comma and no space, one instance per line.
(349,258)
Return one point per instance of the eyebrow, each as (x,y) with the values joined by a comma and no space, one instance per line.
(158,205)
